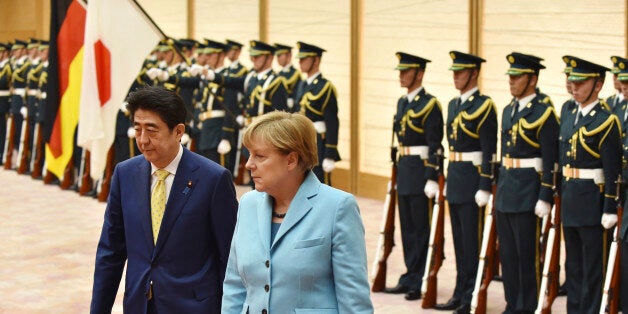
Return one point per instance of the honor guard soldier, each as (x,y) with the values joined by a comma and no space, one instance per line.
(32,92)
(217,126)
(590,153)
(38,155)
(233,99)
(621,108)
(616,99)
(18,91)
(5,96)
(529,149)
(292,75)
(546,99)
(472,137)
(418,125)
(623,234)
(317,99)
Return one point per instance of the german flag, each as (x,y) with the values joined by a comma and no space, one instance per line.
(67,32)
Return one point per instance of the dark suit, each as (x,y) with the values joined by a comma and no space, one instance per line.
(471,127)
(186,266)
(592,143)
(417,123)
(529,134)
(318,101)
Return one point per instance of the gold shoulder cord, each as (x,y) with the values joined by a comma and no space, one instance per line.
(538,124)
(424,113)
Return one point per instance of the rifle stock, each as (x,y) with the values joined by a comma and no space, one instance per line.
(386,237)
(37,154)
(9,145)
(106,178)
(435,249)
(486,269)
(23,151)
(68,175)
(549,280)
(85,180)
(610,295)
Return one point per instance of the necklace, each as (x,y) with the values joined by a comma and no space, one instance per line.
(278,215)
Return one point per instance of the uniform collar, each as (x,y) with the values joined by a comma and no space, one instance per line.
(585,111)
(525,100)
(261,75)
(287,68)
(468,94)
(413,93)
(313,77)
(234,64)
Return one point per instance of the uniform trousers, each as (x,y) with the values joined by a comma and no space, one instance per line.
(466,234)
(518,235)
(414,216)
(586,251)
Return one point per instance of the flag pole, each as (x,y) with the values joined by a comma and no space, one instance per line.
(163,35)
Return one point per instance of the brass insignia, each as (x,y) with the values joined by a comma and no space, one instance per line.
(315,81)
(452,55)
(416,97)
(471,98)
(614,59)
(252,44)
(592,113)
(573,63)
(399,56)
(565,59)
(622,65)
(529,105)
(511,59)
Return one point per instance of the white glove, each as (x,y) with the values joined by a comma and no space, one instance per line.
(24,112)
(328,165)
(431,189)
(224,147)
(542,208)
(130,132)
(445,190)
(210,76)
(200,126)
(196,69)
(185,138)
(163,75)
(609,220)
(481,197)
(152,73)
(240,120)
(290,103)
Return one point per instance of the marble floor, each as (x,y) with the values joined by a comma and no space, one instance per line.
(48,241)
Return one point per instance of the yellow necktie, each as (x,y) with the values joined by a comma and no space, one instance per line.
(158,202)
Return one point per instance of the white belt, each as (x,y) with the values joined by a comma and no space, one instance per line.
(4,93)
(320,127)
(473,157)
(597,175)
(536,163)
(31,92)
(422,151)
(19,91)
(211,114)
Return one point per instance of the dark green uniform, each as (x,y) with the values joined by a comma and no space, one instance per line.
(292,76)
(5,98)
(472,138)
(590,156)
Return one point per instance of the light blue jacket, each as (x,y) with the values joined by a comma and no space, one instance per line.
(316,264)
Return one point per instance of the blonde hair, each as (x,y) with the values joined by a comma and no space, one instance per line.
(287,132)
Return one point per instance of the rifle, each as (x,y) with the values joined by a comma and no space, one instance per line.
(549,281)
(106,177)
(488,263)
(610,296)
(37,155)
(7,156)
(85,180)
(23,151)
(435,251)
(387,230)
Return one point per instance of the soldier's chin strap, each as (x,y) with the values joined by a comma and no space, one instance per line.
(468,80)
(524,90)
(592,88)
(416,73)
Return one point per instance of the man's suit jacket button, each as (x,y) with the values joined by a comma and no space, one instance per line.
(267,263)
(266,288)
(264,311)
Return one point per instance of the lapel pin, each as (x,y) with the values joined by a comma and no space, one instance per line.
(592,113)
(529,105)
(189,183)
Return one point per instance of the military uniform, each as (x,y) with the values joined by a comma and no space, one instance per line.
(5,97)
(622,76)
(418,126)
(590,156)
(18,93)
(233,100)
(292,75)
(529,145)
(472,137)
(32,101)
(317,99)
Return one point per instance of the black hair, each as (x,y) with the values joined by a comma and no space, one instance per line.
(166,103)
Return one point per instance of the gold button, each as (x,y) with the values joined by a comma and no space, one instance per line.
(451,148)
(568,154)
(508,143)
(451,136)
(509,131)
